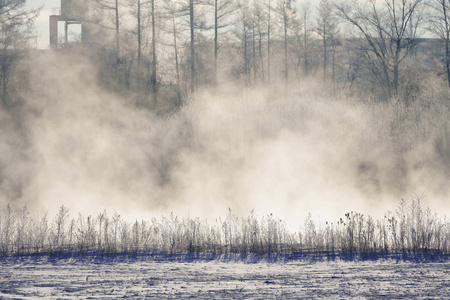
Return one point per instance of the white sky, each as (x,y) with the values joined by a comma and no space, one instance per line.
(42,22)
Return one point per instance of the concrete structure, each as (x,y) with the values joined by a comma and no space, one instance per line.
(71,12)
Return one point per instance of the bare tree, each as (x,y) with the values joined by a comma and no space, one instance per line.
(287,12)
(326,28)
(253,28)
(139,35)
(191,27)
(153,78)
(389,30)
(269,27)
(137,10)
(335,43)
(439,24)
(172,11)
(306,11)
(113,5)
(187,18)
(259,23)
(223,18)
(243,35)
(111,9)
(16,22)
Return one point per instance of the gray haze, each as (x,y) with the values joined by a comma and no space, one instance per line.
(78,145)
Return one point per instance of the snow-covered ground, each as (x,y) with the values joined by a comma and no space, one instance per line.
(92,278)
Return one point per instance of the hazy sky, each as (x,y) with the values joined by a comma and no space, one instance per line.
(43,19)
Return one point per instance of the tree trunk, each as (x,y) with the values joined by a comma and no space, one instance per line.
(191,18)
(118,60)
(447,56)
(176,56)
(325,58)
(254,50)
(305,42)
(286,73)
(387,80)
(216,44)
(4,74)
(260,35)
(116,9)
(268,43)
(246,63)
(447,40)
(4,89)
(154,81)
(139,33)
(395,81)
(333,66)
(139,56)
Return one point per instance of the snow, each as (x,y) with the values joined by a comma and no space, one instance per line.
(124,277)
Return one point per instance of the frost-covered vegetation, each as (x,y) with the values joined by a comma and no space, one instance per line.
(412,228)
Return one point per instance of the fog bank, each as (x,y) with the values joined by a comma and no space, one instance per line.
(307,151)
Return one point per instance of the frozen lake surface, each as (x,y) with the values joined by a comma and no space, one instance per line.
(92,278)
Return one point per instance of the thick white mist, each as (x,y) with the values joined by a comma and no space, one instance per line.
(244,149)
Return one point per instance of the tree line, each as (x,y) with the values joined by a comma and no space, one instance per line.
(163,50)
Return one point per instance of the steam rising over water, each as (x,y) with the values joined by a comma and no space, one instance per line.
(89,149)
